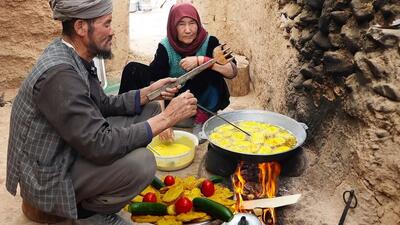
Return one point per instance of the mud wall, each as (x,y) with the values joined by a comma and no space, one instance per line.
(251,28)
(26,27)
(321,63)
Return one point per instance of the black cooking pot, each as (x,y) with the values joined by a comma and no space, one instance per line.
(296,128)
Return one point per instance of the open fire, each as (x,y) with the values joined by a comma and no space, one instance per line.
(265,186)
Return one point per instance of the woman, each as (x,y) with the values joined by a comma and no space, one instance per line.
(186,46)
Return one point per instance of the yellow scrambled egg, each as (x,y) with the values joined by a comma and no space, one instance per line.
(265,138)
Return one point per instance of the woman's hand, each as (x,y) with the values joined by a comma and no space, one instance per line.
(189,63)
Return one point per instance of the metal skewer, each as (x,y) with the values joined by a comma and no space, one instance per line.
(222,118)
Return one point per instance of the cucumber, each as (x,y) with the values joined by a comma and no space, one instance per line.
(147,208)
(157,183)
(216,179)
(213,208)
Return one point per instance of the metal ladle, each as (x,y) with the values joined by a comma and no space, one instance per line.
(222,118)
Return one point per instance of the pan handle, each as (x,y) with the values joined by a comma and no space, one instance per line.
(202,135)
(305,127)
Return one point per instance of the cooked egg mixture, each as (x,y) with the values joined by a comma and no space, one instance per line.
(265,138)
(171,149)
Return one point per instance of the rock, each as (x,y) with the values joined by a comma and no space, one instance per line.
(388,90)
(315,4)
(362,9)
(337,5)
(334,27)
(317,57)
(391,9)
(323,23)
(370,45)
(310,72)
(377,67)
(283,2)
(375,147)
(366,74)
(322,41)
(308,84)
(292,10)
(339,62)
(386,37)
(379,3)
(384,106)
(294,38)
(2,102)
(351,35)
(381,133)
(340,17)
(300,2)
(298,81)
(351,82)
(308,50)
(335,40)
(306,35)
(305,18)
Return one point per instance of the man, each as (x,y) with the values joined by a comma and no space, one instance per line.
(74,151)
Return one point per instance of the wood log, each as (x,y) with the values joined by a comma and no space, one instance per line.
(38,216)
(240,85)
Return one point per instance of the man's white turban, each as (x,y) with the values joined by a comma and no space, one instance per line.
(82,9)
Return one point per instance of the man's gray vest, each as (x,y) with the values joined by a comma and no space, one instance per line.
(38,158)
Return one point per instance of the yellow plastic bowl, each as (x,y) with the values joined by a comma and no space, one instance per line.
(178,154)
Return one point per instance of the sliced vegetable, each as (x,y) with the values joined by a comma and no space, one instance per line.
(213,208)
(147,208)
(183,205)
(137,198)
(207,188)
(157,183)
(169,180)
(173,193)
(216,179)
(150,197)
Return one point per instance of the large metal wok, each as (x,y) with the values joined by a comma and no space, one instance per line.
(296,128)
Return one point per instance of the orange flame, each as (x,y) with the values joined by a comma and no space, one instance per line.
(269,187)
(268,178)
(238,184)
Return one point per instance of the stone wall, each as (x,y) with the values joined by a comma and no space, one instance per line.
(26,29)
(352,68)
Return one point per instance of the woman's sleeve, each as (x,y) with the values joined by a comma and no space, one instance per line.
(212,43)
(160,63)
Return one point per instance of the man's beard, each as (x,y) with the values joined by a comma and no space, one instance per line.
(104,54)
(100,53)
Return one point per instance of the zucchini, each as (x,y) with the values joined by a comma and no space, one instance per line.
(157,183)
(216,179)
(147,208)
(213,209)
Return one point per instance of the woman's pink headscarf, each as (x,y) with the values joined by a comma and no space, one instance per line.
(177,12)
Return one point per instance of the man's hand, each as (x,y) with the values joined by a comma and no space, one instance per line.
(189,63)
(168,94)
(180,108)
(167,136)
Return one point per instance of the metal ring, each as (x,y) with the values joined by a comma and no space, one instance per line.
(346,200)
